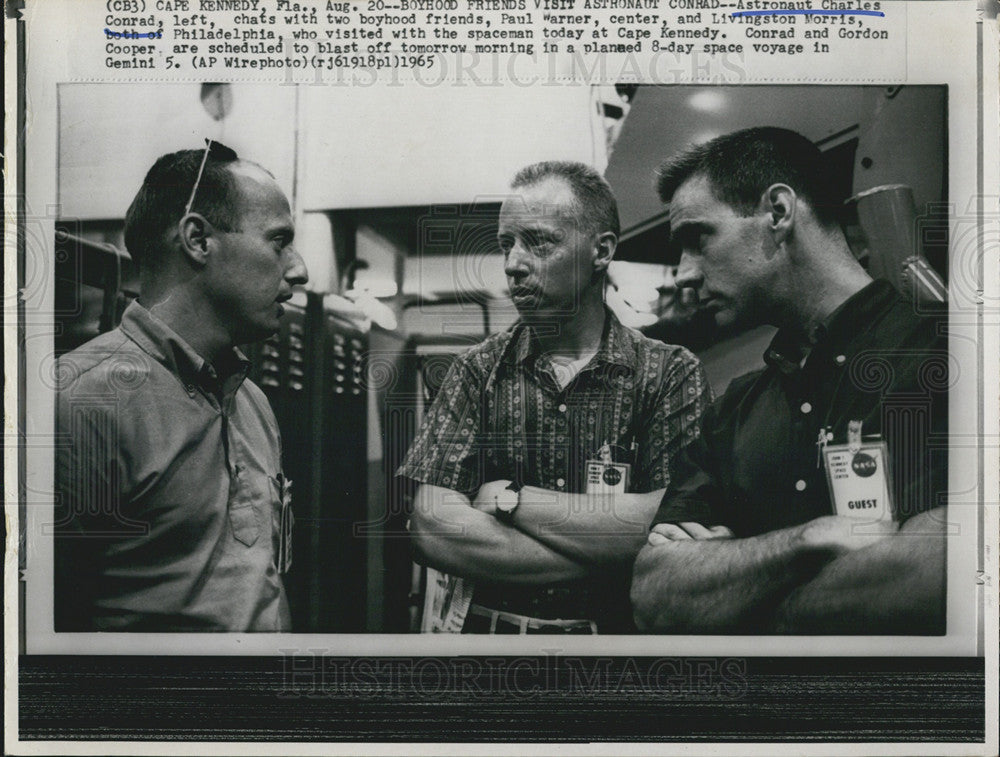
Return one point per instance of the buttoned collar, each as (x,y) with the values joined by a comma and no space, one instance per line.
(161,343)
(855,315)
(617,346)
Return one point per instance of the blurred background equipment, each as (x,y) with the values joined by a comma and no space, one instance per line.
(887,217)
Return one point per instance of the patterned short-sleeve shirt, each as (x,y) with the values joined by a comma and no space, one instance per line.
(501,414)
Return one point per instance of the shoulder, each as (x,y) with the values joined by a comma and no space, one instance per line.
(907,351)
(904,322)
(108,364)
(260,423)
(483,357)
(881,317)
(255,397)
(644,343)
(902,333)
(739,391)
(646,348)
(104,385)
(662,362)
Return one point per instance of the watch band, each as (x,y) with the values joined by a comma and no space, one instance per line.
(506,515)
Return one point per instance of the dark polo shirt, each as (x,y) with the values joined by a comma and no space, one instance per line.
(755,466)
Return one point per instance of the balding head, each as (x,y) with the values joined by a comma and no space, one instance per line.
(152,219)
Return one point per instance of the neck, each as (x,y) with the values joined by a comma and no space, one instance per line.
(820,285)
(188,317)
(576,335)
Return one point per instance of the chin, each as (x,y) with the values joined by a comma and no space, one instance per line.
(262,332)
(726,319)
(733,321)
(540,316)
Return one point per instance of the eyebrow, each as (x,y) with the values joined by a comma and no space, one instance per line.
(685,227)
(529,223)
(285,230)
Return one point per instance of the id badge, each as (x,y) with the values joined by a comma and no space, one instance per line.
(605,477)
(858,478)
(287,522)
(446,603)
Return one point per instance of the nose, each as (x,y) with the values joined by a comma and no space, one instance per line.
(516,263)
(688,274)
(296,273)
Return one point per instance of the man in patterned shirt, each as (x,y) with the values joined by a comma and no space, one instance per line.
(549,446)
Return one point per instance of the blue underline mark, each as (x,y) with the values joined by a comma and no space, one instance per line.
(131,35)
(791,12)
(794,12)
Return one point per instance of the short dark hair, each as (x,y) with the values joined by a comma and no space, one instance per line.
(595,200)
(742,165)
(159,204)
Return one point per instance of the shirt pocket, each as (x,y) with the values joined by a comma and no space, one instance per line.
(246,505)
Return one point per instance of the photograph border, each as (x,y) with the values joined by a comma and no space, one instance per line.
(964,619)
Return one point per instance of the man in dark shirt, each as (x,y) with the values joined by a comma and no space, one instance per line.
(746,538)
(549,445)
(172,512)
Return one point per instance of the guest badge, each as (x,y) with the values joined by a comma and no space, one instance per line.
(858,476)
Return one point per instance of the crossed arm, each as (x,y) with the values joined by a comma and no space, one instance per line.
(452,536)
(830,575)
(895,585)
(555,536)
(593,529)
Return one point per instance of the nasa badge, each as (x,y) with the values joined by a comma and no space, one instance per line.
(858,478)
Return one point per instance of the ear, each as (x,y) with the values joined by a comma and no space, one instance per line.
(196,236)
(782,205)
(604,250)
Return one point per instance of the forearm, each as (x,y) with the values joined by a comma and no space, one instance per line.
(452,536)
(896,585)
(591,528)
(719,586)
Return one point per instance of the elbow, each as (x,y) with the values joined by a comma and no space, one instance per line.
(425,533)
(429,550)
(421,547)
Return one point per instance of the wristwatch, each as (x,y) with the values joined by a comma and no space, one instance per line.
(507,501)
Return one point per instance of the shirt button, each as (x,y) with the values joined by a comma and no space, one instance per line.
(560,482)
(562,408)
(840,359)
(800,485)
(806,408)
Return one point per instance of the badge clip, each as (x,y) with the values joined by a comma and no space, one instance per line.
(604,453)
(854,436)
